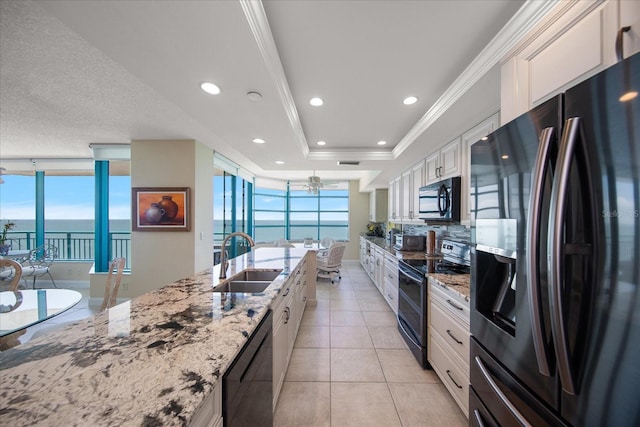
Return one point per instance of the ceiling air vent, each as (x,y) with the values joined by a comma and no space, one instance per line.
(348,163)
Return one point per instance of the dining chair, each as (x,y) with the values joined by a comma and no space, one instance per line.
(38,263)
(325,244)
(329,265)
(111,287)
(11,270)
(283,243)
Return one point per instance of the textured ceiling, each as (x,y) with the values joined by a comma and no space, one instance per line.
(74,73)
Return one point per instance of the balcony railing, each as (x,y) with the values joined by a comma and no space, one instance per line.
(73,245)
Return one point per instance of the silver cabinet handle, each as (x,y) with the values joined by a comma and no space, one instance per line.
(494,387)
(455,306)
(533,232)
(452,380)
(453,337)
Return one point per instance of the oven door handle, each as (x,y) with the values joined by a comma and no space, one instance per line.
(401,322)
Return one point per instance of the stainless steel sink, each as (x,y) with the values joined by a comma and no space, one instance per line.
(248,281)
(243,286)
(256,275)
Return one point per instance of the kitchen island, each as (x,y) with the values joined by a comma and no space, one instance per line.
(149,361)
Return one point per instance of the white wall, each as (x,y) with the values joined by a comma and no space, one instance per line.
(358,219)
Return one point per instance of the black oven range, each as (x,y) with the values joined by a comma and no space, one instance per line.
(413,294)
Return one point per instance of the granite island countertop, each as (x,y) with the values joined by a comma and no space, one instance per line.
(459,283)
(149,361)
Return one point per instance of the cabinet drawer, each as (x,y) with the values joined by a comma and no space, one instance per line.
(456,305)
(451,374)
(390,293)
(454,334)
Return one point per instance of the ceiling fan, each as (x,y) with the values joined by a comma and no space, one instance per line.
(314,184)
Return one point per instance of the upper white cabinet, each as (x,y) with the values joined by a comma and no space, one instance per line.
(470,137)
(394,200)
(444,163)
(412,180)
(575,41)
(378,204)
(630,17)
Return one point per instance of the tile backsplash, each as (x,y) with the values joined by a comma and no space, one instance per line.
(454,232)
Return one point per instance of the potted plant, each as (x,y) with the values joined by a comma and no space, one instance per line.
(4,247)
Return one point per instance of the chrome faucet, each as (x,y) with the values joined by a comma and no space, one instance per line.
(223,254)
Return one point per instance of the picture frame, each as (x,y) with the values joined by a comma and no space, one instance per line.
(160,209)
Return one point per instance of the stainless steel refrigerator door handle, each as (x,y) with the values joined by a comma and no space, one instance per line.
(505,401)
(533,231)
(556,233)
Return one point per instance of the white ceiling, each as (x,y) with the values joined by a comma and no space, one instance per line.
(74,73)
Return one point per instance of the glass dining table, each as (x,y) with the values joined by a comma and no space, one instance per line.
(24,308)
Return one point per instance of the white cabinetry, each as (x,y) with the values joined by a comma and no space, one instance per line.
(363,252)
(394,200)
(209,413)
(575,41)
(412,180)
(288,309)
(444,163)
(449,335)
(630,17)
(378,277)
(378,205)
(390,289)
(469,138)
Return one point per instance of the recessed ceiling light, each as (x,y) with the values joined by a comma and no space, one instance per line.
(505,156)
(410,100)
(210,88)
(258,140)
(316,102)
(382,142)
(254,96)
(484,138)
(322,143)
(279,162)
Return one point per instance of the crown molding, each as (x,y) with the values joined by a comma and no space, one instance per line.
(257,19)
(509,36)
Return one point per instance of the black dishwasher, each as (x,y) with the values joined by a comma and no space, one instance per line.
(247,389)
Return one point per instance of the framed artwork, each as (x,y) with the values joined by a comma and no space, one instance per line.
(160,209)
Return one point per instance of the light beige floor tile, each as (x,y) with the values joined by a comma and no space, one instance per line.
(346,293)
(313,336)
(362,405)
(344,305)
(323,292)
(380,305)
(309,364)
(347,318)
(350,337)
(303,404)
(380,318)
(322,304)
(386,337)
(314,317)
(357,365)
(421,405)
(364,285)
(400,366)
(372,295)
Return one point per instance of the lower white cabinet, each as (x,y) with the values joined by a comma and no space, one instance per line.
(209,414)
(288,309)
(449,340)
(391,282)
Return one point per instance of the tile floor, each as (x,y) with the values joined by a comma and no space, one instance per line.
(350,366)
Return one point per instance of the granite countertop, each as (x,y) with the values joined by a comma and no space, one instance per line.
(459,283)
(148,361)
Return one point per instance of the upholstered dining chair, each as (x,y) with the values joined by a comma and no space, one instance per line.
(11,271)
(112,286)
(329,265)
(38,263)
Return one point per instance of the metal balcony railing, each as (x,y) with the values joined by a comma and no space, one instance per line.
(73,245)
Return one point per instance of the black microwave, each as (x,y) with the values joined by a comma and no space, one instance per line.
(440,201)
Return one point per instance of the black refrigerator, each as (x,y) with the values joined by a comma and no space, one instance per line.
(555,294)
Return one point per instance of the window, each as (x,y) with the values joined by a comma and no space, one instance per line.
(18,205)
(316,216)
(270,215)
